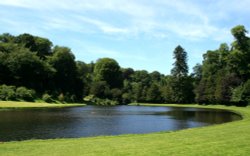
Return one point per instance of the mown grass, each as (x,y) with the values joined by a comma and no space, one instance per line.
(225,139)
(25,105)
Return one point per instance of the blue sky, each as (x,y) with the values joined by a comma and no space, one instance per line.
(141,34)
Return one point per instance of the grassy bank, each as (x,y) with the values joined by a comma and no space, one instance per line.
(25,105)
(226,139)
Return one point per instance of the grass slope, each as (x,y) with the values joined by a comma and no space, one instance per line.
(225,139)
(24,105)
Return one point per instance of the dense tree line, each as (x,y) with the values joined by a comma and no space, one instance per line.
(224,76)
(32,68)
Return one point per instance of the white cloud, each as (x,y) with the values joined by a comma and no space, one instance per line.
(105,27)
(186,19)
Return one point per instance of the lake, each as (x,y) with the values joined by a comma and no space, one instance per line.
(94,121)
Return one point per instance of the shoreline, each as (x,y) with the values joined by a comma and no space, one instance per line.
(223,139)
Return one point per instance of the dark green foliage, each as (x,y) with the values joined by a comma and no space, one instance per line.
(108,70)
(25,94)
(93,100)
(28,70)
(178,90)
(240,55)
(99,89)
(246,92)
(63,61)
(13,93)
(180,64)
(241,40)
(116,94)
(141,76)
(153,93)
(61,98)
(41,46)
(47,98)
(7,92)
(32,62)
(104,102)
(155,76)
(52,73)
(127,73)
(6,37)
(85,76)
(225,72)
(180,85)
(241,94)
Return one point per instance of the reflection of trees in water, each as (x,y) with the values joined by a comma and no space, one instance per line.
(215,117)
(89,121)
(205,116)
(27,124)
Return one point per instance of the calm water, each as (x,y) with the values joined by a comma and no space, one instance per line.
(94,121)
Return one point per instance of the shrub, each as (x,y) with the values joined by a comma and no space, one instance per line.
(7,92)
(241,94)
(88,98)
(47,98)
(73,98)
(104,102)
(61,97)
(126,98)
(25,94)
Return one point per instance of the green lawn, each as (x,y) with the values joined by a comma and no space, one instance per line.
(224,139)
(24,105)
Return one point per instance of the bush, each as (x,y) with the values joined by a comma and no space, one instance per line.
(61,97)
(47,98)
(23,93)
(237,94)
(104,102)
(116,93)
(246,92)
(73,98)
(126,98)
(241,94)
(7,92)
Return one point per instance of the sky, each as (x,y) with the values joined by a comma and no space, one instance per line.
(141,34)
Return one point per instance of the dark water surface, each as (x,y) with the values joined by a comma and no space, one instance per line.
(93,121)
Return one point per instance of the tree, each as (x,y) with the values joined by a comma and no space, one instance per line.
(197,73)
(127,73)
(206,87)
(241,94)
(155,76)
(7,92)
(225,70)
(28,70)
(25,94)
(84,74)
(180,64)
(6,37)
(153,93)
(181,84)
(63,61)
(5,75)
(241,40)
(108,70)
(99,89)
(240,55)
(41,46)
(141,76)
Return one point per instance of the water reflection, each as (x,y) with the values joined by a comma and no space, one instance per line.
(93,121)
